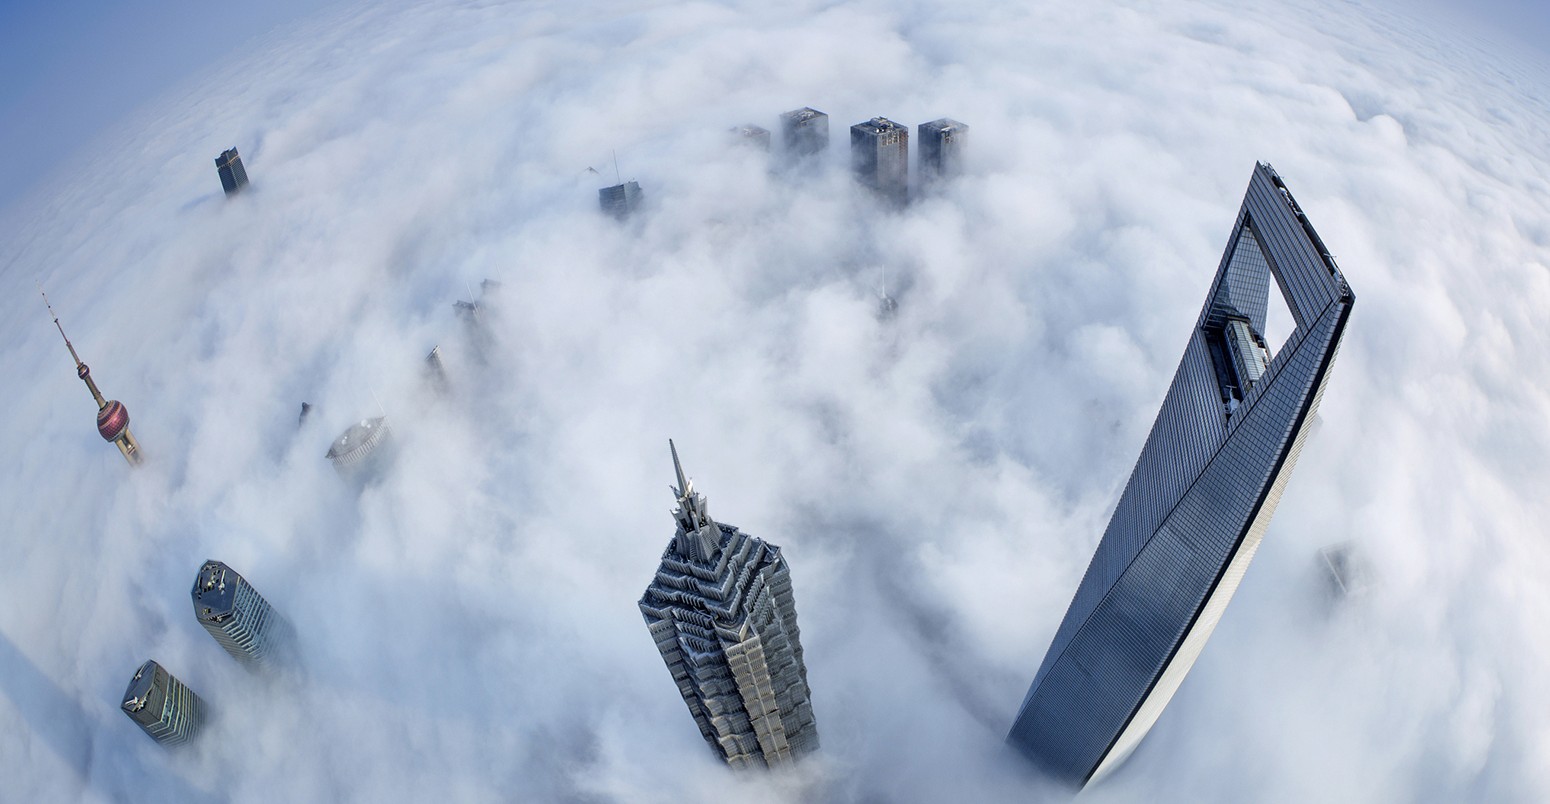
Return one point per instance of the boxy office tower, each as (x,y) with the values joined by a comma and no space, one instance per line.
(1197,504)
(239,618)
(233,176)
(880,155)
(163,706)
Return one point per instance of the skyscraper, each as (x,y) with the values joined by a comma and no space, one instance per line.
(722,614)
(1201,495)
(880,154)
(238,616)
(360,450)
(753,136)
(163,706)
(233,176)
(436,370)
(941,149)
(619,200)
(804,131)
(112,416)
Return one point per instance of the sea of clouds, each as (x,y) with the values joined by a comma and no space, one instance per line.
(937,480)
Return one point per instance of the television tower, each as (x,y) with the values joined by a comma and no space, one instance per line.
(112,416)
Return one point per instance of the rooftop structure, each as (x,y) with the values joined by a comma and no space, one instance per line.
(436,371)
(804,132)
(1200,498)
(163,706)
(880,155)
(233,176)
(112,416)
(361,447)
(237,616)
(1345,569)
(721,612)
(941,149)
(306,410)
(752,136)
(620,200)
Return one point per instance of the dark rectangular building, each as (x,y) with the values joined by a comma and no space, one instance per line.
(233,176)
(804,131)
(752,136)
(880,154)
(619,200)
(941,149)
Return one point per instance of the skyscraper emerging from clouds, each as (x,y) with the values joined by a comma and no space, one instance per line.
(880,154)
(233,176)
(239,618)
(361,450)
(804,131)
(941,149)
(162,705)
(722,614)
(1201,495)
(752,136)
(619,200)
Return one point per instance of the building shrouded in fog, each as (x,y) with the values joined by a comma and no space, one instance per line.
(880,154)
(723,617)
(1200,498)
(941,149)
(112,416)
(233,176)
(162,705)
(752,136)
(361,449)
(804,131)
(239,618)
(620,200)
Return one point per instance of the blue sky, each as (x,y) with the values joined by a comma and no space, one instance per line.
(73,68)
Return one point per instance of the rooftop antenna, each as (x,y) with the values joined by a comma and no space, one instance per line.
(379,403)
(617,177)
(61,328)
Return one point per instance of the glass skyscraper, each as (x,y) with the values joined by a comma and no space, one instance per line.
(162,705)
(722,614)
(804,131)
(239,618)
(880,155)
(233,176)
(941,149)
(1200,497)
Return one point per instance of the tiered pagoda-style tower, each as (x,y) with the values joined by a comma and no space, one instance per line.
(112,416)
(721,612)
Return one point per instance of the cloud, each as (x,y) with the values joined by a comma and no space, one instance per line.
(937,480)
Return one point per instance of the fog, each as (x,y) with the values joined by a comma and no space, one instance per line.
(937,480)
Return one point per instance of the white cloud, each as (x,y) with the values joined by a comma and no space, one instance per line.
(937,481)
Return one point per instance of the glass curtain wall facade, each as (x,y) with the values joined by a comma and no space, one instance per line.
(163,706)
(1197,504)
(239,618)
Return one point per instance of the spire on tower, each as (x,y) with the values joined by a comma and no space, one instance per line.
(698,537)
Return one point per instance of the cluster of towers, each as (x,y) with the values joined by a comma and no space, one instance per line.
(240,620)
(879,154)
(721,609)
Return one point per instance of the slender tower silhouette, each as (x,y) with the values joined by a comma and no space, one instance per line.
(112,416)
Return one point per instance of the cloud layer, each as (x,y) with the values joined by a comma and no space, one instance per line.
(937,480)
